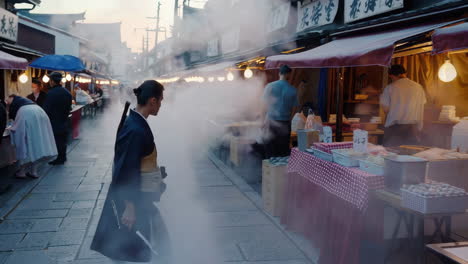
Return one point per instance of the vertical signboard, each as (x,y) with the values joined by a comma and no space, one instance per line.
(8,25)
(213,48)
(360,9)
(278,17)
(230,41)
(316,14)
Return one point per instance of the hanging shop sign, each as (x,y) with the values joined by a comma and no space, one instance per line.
(360,9)
(279,17)
(213,48)
(8,25)
(230,41)
(316,14)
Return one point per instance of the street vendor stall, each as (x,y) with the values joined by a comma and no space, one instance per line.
(330,195)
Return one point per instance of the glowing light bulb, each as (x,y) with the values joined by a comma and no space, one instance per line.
(23,78)
(248,73)
(221,79)
(211,79)
(45,79)
(64,80)
(230,76)
(68,77)
(447,72)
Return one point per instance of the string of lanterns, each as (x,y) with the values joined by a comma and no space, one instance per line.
(248,73)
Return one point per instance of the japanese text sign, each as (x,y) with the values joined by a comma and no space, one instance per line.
(8,25)
(327,134)
(316,14)
(360,140)
(359,9)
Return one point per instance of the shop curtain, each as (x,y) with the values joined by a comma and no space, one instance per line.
(424,68)
(322,95)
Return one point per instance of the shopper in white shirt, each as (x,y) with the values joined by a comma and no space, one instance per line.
(403,101)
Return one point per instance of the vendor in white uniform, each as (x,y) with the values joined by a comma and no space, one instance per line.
(403,102)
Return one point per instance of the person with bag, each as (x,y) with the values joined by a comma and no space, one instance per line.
(124,229)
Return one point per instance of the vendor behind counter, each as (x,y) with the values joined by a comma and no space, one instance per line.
(281,99)
(403,101)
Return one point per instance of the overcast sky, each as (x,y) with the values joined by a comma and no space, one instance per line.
(132,14)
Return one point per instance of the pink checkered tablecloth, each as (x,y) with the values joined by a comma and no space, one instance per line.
(328,147)
(350,184)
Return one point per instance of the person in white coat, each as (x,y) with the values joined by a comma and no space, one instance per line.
(31,134)
(403,101)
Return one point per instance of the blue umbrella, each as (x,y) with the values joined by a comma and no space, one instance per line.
(58,63)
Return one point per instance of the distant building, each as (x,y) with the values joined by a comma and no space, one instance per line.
(110,46)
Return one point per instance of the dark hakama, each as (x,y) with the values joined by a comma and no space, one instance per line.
(134,141)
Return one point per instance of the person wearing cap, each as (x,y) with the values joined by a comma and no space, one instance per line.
(58,106)
(280,99)
(37,95)
(403,102)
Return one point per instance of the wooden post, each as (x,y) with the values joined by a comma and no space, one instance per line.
(339,105)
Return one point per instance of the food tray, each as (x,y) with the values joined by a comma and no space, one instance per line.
(323,155)
(371,167)
(434,205)
(340,157)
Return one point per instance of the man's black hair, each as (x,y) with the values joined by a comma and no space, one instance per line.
(397,70)
(148,90)
(285,70)
(36,81)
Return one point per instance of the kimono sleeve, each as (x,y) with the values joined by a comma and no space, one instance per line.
(127,175)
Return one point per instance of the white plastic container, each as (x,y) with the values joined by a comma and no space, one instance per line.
(323,155)
(341,157)
(434,205)
(403,169)
(460,136)
(371,167)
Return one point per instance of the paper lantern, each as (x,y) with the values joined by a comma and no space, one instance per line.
(230,76)
(447,72)
(23,78)
(248,73)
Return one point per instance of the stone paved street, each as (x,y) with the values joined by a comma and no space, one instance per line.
(207,214)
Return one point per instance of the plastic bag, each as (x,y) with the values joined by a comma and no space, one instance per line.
(298,122)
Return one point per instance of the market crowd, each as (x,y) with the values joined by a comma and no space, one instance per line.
(38,124)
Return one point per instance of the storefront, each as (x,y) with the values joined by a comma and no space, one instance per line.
(356,205)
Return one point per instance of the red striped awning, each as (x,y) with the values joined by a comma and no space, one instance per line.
(450,38)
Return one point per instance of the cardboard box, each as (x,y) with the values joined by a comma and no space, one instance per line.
(274,183)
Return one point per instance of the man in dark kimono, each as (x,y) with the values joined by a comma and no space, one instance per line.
(38,96)
(58,106)
(126,209)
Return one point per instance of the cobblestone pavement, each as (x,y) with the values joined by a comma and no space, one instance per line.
(207,216)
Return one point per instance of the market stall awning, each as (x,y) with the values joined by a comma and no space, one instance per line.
(59,63)
(10,62)
(364,50)
(450,38)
